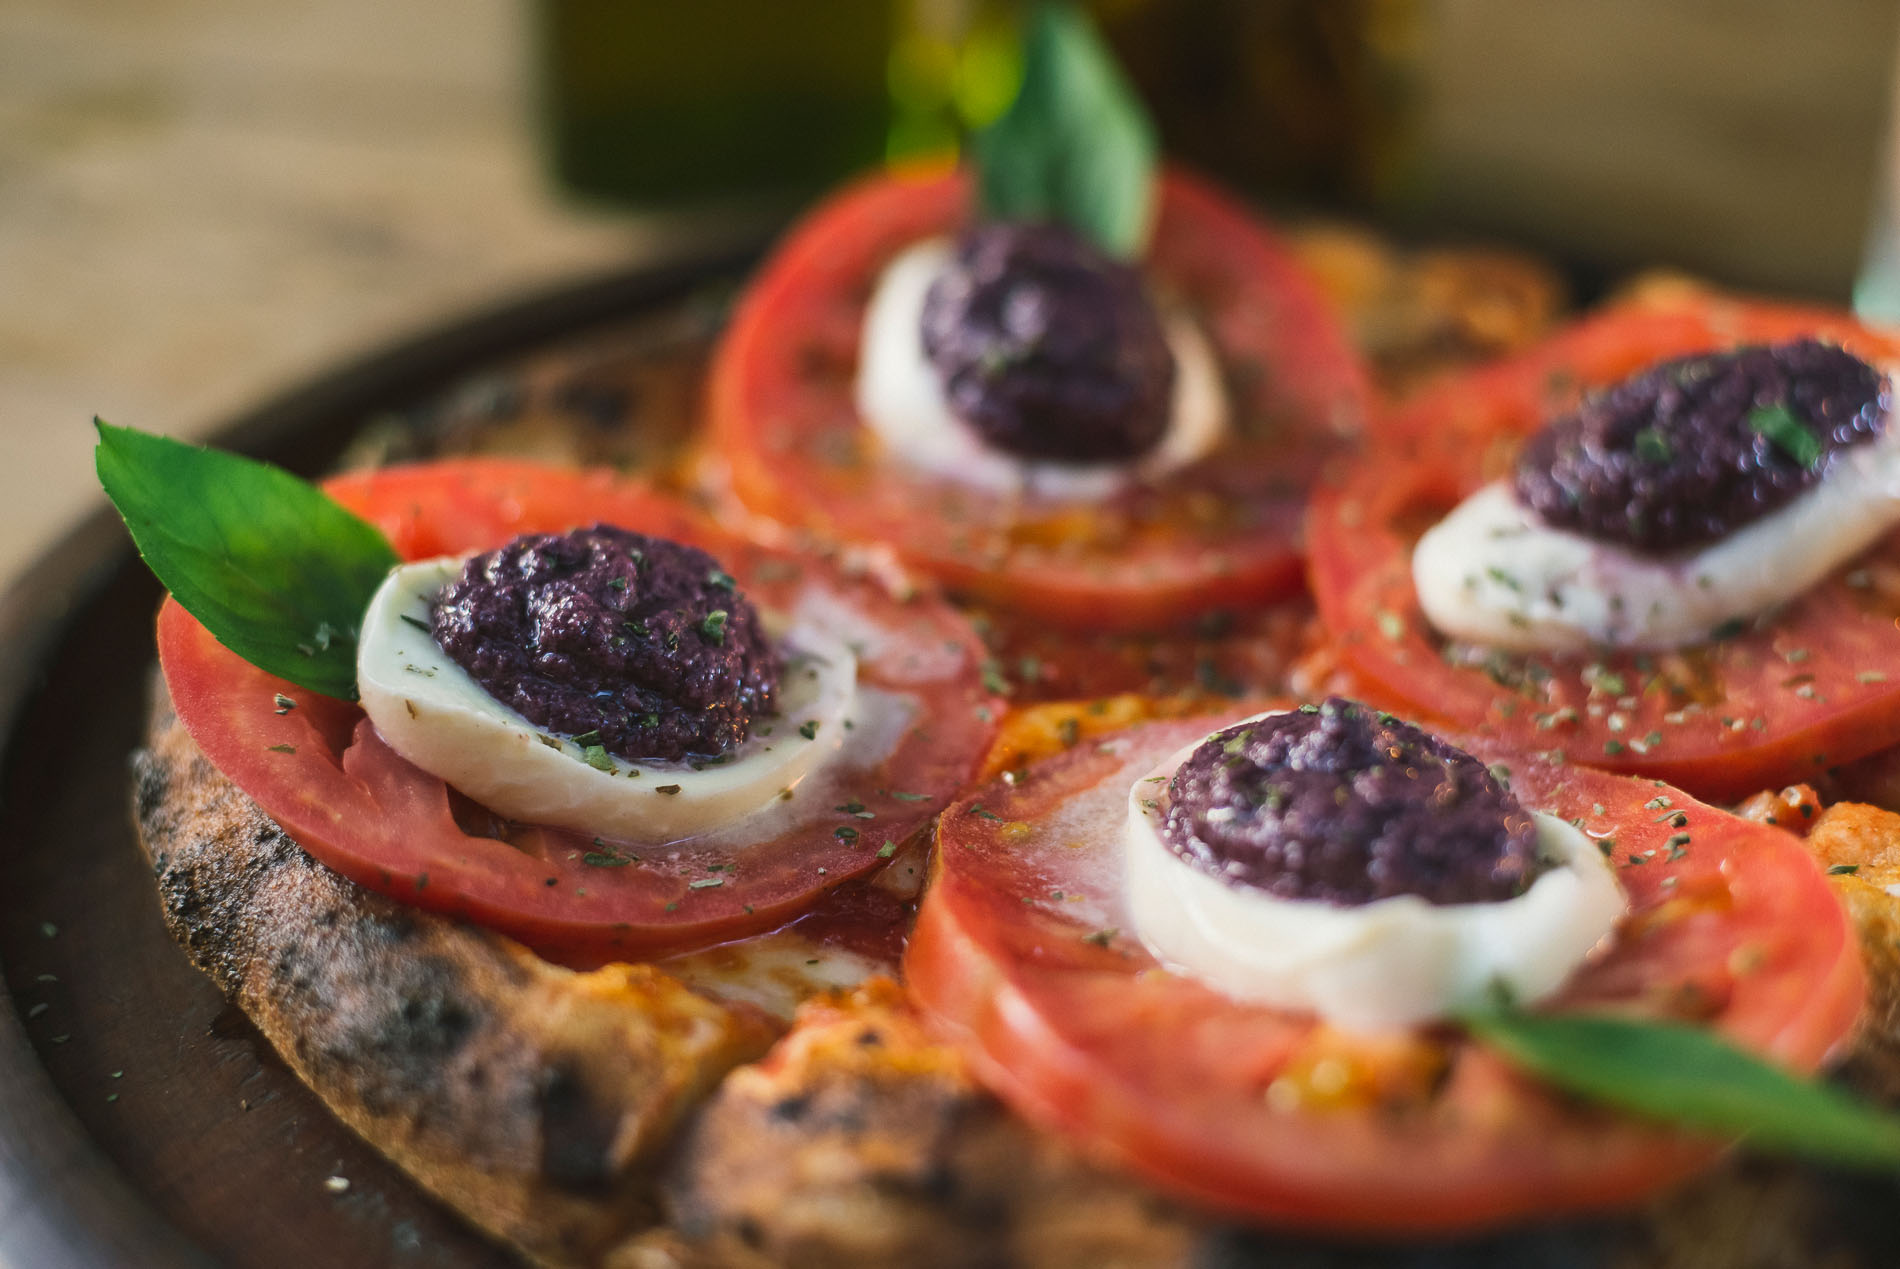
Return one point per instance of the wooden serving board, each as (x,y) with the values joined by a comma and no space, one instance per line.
(142,1120)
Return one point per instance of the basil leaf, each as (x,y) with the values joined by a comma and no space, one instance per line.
(1683,1075)
(1786,432)
(276,570)
(1075,146)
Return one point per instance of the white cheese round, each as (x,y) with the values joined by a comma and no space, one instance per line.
(1492,572)
(1390,963)
(900,397)
(433,713)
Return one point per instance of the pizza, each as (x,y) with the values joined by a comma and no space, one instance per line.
(415,1010)
(1072,765)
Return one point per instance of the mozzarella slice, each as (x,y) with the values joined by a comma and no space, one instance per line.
(1493,573)
(900,397)
(433,713)
(1391,963)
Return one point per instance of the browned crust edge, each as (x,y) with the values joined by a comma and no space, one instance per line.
(534,1100)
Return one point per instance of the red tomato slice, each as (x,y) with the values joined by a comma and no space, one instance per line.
(1516,396)
(1814,684)
(320,770)
(1023,955)
(1224,532)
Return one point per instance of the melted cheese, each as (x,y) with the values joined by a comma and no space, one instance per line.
(775,972)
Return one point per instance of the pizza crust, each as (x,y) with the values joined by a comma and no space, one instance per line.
(861,1141)
(534,1100)
(1860,845)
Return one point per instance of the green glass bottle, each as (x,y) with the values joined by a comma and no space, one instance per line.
(681,102)
(1310,99)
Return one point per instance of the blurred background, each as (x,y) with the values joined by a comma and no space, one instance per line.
(203,202)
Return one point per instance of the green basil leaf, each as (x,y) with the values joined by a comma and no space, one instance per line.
(1075,146)
(276,570)
(1687,1076)
(1786,432)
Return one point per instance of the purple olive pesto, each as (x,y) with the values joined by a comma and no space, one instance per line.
(638,644)
(1345,805)
(1048,348)
(1688,451)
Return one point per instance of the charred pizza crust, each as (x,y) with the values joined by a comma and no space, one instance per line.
(860,1141)
(534,1100)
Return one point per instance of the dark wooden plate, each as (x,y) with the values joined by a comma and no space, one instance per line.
(142,1122)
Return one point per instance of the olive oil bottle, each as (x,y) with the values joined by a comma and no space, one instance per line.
(682,102)
(658,103)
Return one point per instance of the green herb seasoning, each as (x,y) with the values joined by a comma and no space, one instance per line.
(605,859)
(1787,433)
(1650,445)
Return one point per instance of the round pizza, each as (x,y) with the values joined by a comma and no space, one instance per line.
(1064,770)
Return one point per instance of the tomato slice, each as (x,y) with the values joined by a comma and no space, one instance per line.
(1023,956)
(1223,532)
(319,769)
(1813,684)
(1516,396)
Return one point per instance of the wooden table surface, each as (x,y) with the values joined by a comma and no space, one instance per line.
(204,201)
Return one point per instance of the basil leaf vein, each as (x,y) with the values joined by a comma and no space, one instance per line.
(1076,146)
(1687,1076)
(274,568)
